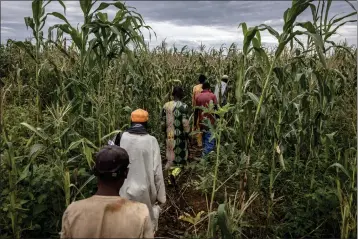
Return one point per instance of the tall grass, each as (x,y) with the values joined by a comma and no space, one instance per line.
(285,162)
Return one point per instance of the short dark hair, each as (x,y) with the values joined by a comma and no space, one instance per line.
(178,92)
(111,162)
(202,79)
(206,86)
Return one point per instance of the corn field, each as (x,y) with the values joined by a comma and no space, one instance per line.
(285,163)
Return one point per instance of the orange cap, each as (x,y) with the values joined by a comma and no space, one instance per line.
(139,116)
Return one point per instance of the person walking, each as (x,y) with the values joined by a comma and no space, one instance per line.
(197,89)
(203,100)
(221,90)
(106,214)
(175,123)
(145,181)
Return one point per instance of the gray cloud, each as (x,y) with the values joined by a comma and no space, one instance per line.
(222,13)
(221,16)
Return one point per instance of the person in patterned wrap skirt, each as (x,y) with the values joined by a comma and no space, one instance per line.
(175,123)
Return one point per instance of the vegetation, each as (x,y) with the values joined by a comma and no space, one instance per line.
(285,165)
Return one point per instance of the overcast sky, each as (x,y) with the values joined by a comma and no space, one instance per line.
(182,22)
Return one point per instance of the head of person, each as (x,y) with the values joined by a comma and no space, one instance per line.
(225,78)
(206,86)
(111,167)
(178,93)
(140,116)
(202,79)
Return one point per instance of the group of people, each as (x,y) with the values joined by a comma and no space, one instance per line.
(129,171)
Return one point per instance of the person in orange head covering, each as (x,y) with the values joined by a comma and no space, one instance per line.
(145,182)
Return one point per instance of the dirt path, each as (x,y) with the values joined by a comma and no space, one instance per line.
(182,199)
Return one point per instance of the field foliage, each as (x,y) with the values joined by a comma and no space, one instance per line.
(285,164)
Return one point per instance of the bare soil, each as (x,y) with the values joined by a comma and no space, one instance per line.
(181,198)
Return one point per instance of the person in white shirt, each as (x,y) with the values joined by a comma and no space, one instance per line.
(145,182)
(222,88)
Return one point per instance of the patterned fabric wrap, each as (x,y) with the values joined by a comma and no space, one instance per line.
(175,120)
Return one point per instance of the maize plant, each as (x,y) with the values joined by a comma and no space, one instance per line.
(285,159)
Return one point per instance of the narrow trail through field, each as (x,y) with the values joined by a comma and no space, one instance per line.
(180,199)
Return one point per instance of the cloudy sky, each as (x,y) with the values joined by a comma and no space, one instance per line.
(182,22)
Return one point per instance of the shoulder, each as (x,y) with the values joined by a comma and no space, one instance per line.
(165,105)
(168,103)
(77,205)
(139,209)
(138,206)
(199,96)
(152,139)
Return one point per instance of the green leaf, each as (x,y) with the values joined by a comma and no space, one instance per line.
(313,12)
(222,221)
(255,43)
(119,5)
(76,36)
(282,44)
(300,43)
(115,30)
(340,166)
(85,6)
(308,26)
(60,16)
(254,98)
(75,144)
(292,13)
(36,11)
(102,16)
(244,27)
(24,174)
(110,134)
(264,57)
(36,148)
(250,34)
(270,30)
(319,47)
(331,136)
(29,22)
(41,198)
(102,6)
(83,186)
(41,134)
(26,49)
(350,4)
(258,37)
(282,162)
(329,34)
(39,208)
(63,5)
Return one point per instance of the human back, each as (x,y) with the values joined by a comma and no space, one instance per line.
(145,181)
(107,217)
(140,183)
(197,89)
(175,123)
(106,214)
(203,100)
